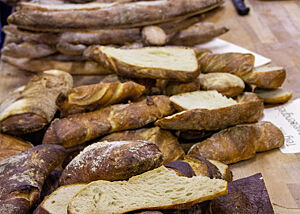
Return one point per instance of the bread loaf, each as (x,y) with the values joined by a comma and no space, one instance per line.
(23,175)
(31,107)
(91,97)
(111,161)
(227,84)
(166,142)
(151,62)
(41,17)
(78,129)
(70,49)
(235,63)
(156,189)
(240,142)
(273,96)
(213,114)
(173,87)
(10,146)
(72,67)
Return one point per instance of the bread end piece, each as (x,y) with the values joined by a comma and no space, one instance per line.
(274,96)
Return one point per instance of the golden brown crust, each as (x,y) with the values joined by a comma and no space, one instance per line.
(78,129)
(23,176)
(122,68)
(10,146)
(31,107)
(235,63)
(248,110)
(166,142)
(111,161)
(91,97)
(174,88)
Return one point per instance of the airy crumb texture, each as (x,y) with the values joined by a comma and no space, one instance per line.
(57,202)
(201,100)
(172,58)
(274,96)
(157,189)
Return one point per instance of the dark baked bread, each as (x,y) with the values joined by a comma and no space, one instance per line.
(116,160)
(22,177)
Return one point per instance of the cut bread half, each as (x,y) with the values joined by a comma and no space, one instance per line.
(177,63)
(213,116)
(201,100)
(57,202)
(266,76)
(157,189)
(274,96)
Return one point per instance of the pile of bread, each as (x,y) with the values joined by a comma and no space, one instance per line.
(155,134)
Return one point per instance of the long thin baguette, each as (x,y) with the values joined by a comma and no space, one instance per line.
(57,18)
(157,189)
(151,62)
(31,107)
(91,97)
(27,50)
(249,109)
(240,142)
(71,49)
(72,67)
(78,129)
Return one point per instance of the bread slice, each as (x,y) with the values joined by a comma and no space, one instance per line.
(57,202)
(177,63)
(274,96)
(212,112)
(201,100)
(157,189)
(266,76)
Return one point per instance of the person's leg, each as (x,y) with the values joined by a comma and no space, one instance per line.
(5,11)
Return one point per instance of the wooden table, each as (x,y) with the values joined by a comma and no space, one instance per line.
(271,29)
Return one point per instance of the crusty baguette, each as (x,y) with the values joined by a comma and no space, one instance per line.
(156,189)
(57,202)
(23,175)
(227,84)
(273,96)
(266,76)
(91,97)
(71,49)
(166,142)
(154,35)
(235,63)
(240,142)
(151,62)
(78,129)
(10,146)
(112,161)
(27,50)
(74,16)
(72,67)
(248,110)
(173,87)
(31,107)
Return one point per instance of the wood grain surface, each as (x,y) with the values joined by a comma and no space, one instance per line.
(271,29)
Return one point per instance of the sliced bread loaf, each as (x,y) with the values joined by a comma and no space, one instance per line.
(57,202)
(157,189)
(177,63)
(274,96)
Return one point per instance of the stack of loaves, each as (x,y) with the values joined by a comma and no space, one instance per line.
(54,36)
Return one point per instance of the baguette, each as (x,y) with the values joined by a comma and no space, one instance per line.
(239,143)
(166,142)
(78,129)
(149,62)
(27,50)
(23,175)
(273,96)
(10,146)
(266,77)
(91,97)
(235,63)
(227,84)
(71,49)
(173,87)
(31,107)
(72,67)
(154,35)
(249,109)
(112,161)
(40,17)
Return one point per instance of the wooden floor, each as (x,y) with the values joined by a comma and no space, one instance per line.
(272,29)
